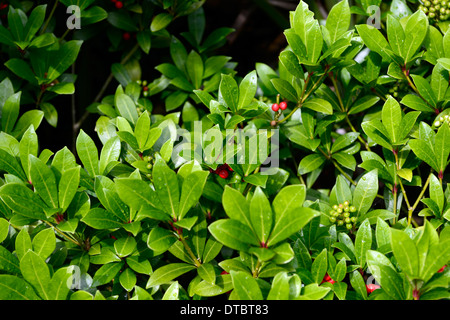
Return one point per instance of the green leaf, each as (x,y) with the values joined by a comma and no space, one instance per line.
(375,41)
(15,288)
(110,152)
(319,105)
(416,29)
(424,152)
(233,234)
(285,89)
(28,146)
(44,181)
(280,287)
(261,215)
(310,163)
(106,273)
(363,242)
(9,164)
(160,21)
(396,35)
(206,272)
(289,60)
(68,186)
(313,292)
(8,262)
(416,103)
(289,222)
(357,282)
(125,246)
(4,229)
(166,185)
(160,240)
(442,147)
(425,89)
(99,218)
(436,192)
(247,89)
(389,280)
(245,286)
(44,243)
(126,107)
(128,279)
(36,272)
(10,112)
(390,115)
(22,200)
(167,273)
(138,195)
(88,153)
(195,68)
(229,92)
(22,69)
(344,141)
(365,192)
(236,206)
(63,58)
(319,266)
(191,191)
(405,252)
(338,20)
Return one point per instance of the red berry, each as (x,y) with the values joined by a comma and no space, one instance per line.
(224,272)
(126,36)
(223,173)
(275,107)
(119,4)
(327,278)
(442,269)
(371,287)
(283,105)
(145,88)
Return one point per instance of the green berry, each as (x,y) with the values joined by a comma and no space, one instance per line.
(340,222)
(352,209)
(427,3)
(346,214)
(332,219)
(348,226)
(347,220)
(432,15)
(353,219)
(346,203)
(335,207)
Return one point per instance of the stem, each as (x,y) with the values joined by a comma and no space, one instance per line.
(255,272)
(189,250)
(63,234)
(305,95)
(411,209)
(411,84)
(364,142)
(337,166)
(86,114)
(49,17)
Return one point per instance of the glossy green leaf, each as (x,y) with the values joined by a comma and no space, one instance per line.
(88,153)
(338,20)
(166,185)
(191,191)
(22,200)
(261,215)
(44,243)
(36,272)
(167,273)
(365,192)
(229,92)
(245,286)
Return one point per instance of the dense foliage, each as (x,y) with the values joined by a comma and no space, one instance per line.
(323,177)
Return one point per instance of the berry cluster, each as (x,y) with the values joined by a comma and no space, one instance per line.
(438,10)
(223,171)
(442,120)
(341,214)
(279,106)
(399,90)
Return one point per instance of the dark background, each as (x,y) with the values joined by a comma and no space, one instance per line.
(258,37)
